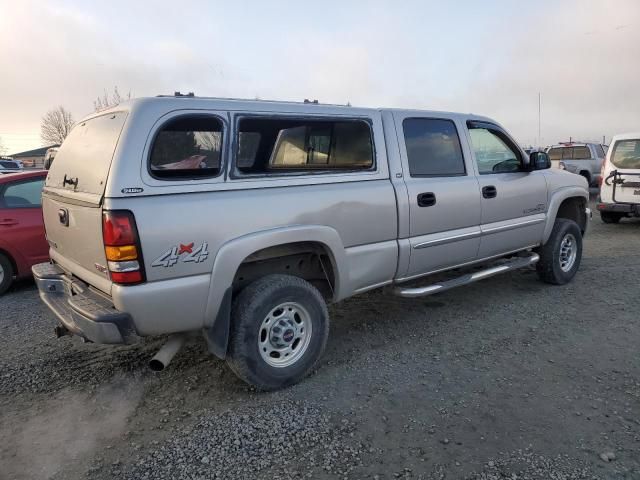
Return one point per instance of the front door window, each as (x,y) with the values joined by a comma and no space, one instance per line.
(493,154)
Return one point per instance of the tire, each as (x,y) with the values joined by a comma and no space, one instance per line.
(608,217)
(268,317)
(6,273)
(556,265)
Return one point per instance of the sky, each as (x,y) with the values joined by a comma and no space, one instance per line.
(486,57)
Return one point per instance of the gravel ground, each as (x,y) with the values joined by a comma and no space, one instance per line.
(504,379)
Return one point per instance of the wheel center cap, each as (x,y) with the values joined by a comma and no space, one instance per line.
(288,335)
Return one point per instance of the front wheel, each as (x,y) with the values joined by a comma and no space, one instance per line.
(280,327)
(560,256)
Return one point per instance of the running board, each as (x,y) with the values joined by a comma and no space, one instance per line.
(513,264)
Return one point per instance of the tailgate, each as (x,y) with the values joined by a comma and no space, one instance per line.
(74,233)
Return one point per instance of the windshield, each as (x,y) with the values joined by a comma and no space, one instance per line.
(626,154)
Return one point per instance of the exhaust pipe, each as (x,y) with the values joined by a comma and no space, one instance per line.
(61,331)
(166,353)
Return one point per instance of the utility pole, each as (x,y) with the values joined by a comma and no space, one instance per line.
(539,115)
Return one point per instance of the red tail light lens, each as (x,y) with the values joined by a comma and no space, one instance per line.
(127,278)
(118,228)
(122,247)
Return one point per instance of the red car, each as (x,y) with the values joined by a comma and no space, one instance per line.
(22,239)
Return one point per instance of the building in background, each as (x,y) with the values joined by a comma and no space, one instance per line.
(32,158)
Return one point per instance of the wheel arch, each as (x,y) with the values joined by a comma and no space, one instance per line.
(585,173)
(570,203)
(260,245)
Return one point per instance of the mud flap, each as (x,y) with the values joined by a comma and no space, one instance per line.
(218,335)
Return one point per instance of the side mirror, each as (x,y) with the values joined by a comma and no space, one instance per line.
(539,161)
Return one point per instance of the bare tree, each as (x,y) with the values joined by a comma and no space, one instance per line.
(56,125)
(106,101)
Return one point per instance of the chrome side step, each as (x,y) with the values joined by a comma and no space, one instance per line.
(512,264)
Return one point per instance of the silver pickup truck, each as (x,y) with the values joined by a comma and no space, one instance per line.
(584,159)
(240,220)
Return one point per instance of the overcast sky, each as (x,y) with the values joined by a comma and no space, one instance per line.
(485,57)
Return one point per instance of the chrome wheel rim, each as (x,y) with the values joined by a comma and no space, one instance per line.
(284,335)
(1,274)
(568,252)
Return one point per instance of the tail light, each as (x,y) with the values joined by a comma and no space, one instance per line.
(601,179)
(122,247)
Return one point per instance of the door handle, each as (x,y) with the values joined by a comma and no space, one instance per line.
(7,222)
(489,191)
(426,199)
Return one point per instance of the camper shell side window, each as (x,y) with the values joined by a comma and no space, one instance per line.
(276,146)
(187,147)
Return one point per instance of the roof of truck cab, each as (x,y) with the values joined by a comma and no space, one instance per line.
(572,144)
(276,106)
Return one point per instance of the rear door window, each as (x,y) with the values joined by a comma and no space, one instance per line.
(600,151)
(433,147)
(274,145)
(626,154)
(188,146)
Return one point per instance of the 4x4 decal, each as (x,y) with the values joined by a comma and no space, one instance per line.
(175,254)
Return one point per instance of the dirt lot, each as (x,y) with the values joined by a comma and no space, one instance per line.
(508,378)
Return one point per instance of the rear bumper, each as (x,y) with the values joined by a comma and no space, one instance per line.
(625,208)
(81,310)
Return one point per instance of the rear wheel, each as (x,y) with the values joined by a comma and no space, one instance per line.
(6,273)
(609,217)
(279,331)
(560,256)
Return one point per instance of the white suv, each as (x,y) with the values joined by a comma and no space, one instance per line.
(620,189)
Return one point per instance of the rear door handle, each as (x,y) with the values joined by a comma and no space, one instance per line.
(426,199)
(7,222)
(489,191)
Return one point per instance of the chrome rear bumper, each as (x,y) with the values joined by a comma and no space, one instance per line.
(80,310)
